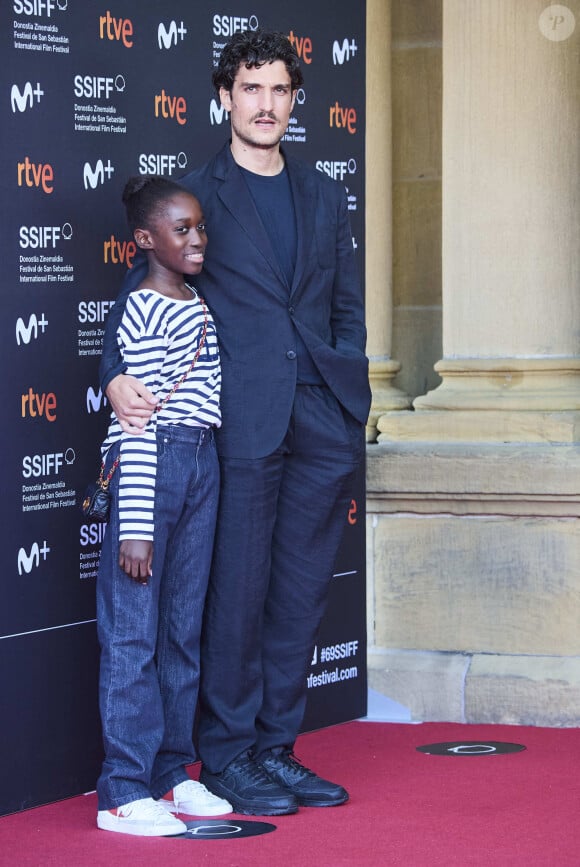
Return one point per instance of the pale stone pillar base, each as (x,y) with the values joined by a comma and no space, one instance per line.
(385,396)
(545,384)
(494,400)
(493,426)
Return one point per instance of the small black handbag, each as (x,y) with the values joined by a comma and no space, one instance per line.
(96,503)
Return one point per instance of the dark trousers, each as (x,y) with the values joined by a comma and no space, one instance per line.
(280,522)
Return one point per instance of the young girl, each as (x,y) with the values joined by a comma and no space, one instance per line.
(156,553)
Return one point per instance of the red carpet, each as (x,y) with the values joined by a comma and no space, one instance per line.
(406,808)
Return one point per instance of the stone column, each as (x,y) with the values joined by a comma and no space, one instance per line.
(511,228)
(378,204)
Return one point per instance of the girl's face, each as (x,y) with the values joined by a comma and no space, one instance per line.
(176,237)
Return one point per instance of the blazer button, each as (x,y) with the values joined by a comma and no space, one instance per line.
(291,354)
(291,311)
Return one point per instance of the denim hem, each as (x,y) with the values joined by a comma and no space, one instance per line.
(121,800)
(169,782)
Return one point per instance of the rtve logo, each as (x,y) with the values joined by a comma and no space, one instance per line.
(161,164)
(36,175)
(34,466)
(116,29)
(227,25)
(337,169)
(119,252)
(95,400)
(217,113)
(352,512)
(41,237)
(167,36)
(97,86)
(171,106)
(38,7)
(343,53)
(26,333)
(93,177)
(21,100)
(28,560)
(36,405)
(303,46)
(343,118)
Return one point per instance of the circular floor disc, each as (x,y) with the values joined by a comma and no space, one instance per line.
(470,748)
(224,829)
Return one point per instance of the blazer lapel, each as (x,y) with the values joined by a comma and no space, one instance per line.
(236,197)
(304,206)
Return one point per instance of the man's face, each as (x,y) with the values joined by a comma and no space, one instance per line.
(260,104)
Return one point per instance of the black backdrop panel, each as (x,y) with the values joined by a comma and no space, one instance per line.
(92,93)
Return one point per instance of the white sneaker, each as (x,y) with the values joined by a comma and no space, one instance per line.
(143,818)
(194,799)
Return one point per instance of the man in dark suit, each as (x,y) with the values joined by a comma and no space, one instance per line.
(281,282)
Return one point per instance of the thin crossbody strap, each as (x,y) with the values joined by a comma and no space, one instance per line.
(104,482)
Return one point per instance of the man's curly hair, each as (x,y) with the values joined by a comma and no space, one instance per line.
(254,48)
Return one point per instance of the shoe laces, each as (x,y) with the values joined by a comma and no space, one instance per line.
(292,761)
(146,809)
(194,789)
(251,768)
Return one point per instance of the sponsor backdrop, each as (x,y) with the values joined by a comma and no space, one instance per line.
(92,93)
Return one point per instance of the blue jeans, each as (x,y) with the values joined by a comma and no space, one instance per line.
(150,634)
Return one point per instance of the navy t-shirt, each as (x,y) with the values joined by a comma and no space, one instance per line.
(272,195)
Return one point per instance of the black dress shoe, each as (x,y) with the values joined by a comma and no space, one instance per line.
(249,789)
(309,789)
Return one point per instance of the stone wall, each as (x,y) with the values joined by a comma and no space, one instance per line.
(474,492)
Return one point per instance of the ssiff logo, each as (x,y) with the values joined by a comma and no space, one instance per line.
(168,36)
(50,464)
(35,175)
(227,25)
(92,534)
(93,311)
(161,164)
(337,169)
(97,86)
(21,100)
(343,53)
(41,237)
(38,7)
(27,560)
(116,29)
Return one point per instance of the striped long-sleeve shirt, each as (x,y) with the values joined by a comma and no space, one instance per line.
(158,338)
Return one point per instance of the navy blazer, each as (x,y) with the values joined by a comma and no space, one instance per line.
(257,314)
